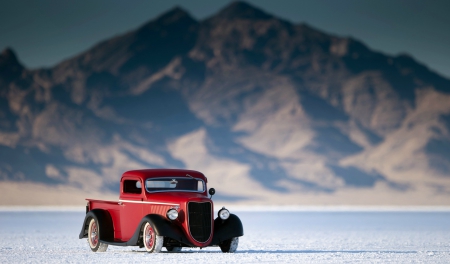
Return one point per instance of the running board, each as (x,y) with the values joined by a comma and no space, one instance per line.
(121,244)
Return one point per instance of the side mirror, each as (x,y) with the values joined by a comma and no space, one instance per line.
(211,191)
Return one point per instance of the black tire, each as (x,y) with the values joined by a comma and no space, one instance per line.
(174,249)
(152,242)
(229,245)
(94,237)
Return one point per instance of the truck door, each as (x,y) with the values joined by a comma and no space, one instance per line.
(131,211)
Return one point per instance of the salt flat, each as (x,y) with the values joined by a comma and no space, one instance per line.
(272,237)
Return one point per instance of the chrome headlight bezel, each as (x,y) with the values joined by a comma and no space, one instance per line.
(172,214)
(223,213)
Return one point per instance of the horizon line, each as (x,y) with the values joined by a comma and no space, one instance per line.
(259,208)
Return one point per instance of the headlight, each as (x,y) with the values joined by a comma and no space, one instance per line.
(172,214)
(224,213)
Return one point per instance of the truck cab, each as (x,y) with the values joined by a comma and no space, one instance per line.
(160,208)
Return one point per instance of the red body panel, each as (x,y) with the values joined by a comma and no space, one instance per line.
(132,207)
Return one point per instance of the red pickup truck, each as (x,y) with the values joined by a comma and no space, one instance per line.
(160,208)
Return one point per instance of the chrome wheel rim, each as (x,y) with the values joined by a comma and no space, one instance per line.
(94,234)
(149,236)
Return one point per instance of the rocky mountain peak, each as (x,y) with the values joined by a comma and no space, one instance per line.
(173,16)
(10,67)
(8,56)
(242,10)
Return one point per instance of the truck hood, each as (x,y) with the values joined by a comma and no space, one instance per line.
(177,197)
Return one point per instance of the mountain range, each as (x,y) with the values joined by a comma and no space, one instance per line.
(271,111)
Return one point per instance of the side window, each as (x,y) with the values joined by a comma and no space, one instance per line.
(132,186)
(200,186)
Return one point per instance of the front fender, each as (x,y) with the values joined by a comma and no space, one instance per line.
(226,229)
(163,227)
(166,228)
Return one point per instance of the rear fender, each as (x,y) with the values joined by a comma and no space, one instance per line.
(105,221)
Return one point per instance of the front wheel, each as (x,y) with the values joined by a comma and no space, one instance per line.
(94,237)
(152,242)
(229,245)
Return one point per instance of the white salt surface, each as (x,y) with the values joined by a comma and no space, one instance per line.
(271,237)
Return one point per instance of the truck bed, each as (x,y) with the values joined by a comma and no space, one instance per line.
(102,204)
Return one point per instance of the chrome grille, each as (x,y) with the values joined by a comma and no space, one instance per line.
(200,220)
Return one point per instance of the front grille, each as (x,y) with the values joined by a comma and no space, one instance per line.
(200,220)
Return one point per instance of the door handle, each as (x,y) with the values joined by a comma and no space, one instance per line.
(120,203)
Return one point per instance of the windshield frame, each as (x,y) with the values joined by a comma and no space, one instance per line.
(174,190)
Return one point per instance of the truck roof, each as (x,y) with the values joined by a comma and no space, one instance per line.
(157,173)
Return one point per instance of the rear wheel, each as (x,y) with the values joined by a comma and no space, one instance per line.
(94,237)
(174,249)
(229,245)
(152,242)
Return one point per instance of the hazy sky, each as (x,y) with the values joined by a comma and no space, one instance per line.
(45,32)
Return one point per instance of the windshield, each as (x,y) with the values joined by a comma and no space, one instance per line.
(175,184)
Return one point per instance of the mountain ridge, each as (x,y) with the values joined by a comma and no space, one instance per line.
(243,96)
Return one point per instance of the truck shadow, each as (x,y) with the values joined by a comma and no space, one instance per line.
(328,251)
(295,251)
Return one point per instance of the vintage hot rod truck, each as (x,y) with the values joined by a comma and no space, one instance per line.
(160,208)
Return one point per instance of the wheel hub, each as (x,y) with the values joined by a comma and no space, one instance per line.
(149,236)
(94,234)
